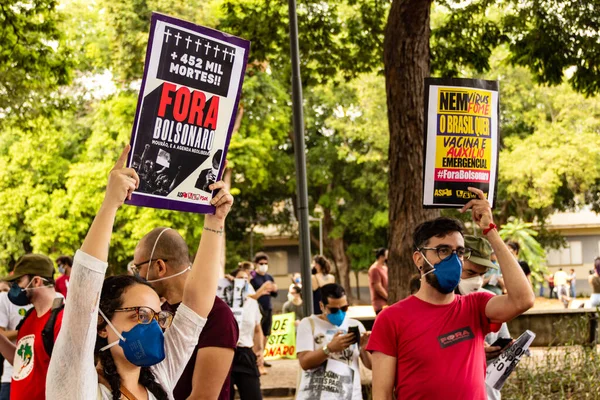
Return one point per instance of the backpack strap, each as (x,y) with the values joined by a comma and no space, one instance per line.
(48,331)
(27,314)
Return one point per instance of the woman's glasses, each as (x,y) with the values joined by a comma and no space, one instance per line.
(145,315)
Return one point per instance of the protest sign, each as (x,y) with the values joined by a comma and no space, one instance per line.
(461,141)
(282,341)
(185,113)
(498,372)
(233,293)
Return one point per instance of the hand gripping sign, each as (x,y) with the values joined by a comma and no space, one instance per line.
(185,114)
(498,372)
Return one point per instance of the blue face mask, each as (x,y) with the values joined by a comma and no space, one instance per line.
(18,296)
(337,318)
(143,345)
(447,272)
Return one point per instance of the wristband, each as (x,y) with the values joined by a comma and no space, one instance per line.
(326,351)
(491,227)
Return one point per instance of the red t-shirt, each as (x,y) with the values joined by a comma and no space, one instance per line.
(439,348)
(62,285)
(378,275)
(31,362)
(221,330)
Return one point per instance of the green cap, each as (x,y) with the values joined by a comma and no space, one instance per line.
(32,264)
(481,251)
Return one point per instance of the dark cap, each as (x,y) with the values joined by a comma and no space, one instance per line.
(32,264)
(481,251)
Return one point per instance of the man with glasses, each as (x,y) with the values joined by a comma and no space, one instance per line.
(328,349)
(431,345)
(162,258)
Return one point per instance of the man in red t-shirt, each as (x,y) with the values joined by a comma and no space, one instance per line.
(162,257)
(32,282)
(378,280)
(430,345)
(65,263)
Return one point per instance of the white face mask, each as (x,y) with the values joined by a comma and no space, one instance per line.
(471,285)
(263,268)
(290,297)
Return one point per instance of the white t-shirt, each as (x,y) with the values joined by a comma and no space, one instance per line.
(251,317)
(339,378)
(72,374)
(10,316)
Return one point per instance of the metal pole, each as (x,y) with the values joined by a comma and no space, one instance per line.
(304,233)
(321,236)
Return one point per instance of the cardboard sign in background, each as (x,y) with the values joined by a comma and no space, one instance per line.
(185,115)
(461,141)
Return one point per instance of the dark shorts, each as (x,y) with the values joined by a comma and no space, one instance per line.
(266,321)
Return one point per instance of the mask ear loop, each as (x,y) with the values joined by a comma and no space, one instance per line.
(152,252)
(189,268)
(427,261)
(114,329)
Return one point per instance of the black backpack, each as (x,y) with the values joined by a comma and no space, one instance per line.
(48,331)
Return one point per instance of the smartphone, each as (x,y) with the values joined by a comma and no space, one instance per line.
(501,342)
(356,332)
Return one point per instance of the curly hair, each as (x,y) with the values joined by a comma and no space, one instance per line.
(110,300)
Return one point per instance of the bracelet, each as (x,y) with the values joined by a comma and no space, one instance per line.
(218,232)
(491,227)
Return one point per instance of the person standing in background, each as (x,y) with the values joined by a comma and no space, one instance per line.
(594,281)
(573,282)
(321,276)
(378,280)
(65,263)
(10,317)
(262,266)
(295,304)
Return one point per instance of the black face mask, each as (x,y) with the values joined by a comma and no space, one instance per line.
(314,270)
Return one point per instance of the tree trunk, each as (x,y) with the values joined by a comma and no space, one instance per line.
(406,61)
(342,262)
(356,273)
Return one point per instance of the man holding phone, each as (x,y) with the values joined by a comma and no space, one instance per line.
(329,345)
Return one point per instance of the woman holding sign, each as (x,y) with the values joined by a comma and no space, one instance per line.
(120,319)
(249,351)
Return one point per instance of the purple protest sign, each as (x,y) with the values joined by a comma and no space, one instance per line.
(185,113)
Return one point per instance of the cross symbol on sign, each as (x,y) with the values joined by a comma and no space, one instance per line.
(231,55)
(216,50)
(167,34)
(178,36)
(225,52)
(173,55)
(208,47)
(198,43)
(188,40)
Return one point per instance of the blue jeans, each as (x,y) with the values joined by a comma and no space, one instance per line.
(5,391)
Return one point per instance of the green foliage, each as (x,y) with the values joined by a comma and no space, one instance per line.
(531,250)
(338,38)
(33,56)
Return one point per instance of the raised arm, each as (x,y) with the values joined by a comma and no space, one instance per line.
(520,296)
(71,374)
(201,284)
(121,183)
